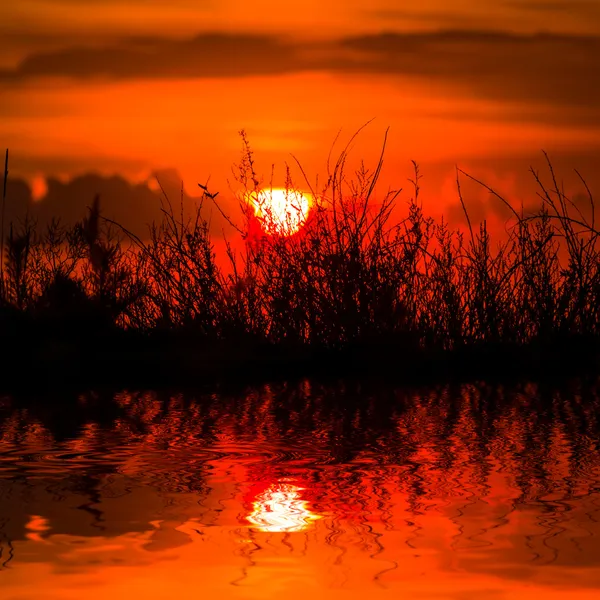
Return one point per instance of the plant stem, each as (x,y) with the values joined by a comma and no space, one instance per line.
(2,225)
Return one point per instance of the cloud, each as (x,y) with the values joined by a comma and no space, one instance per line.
(127,203)
(447,19)
(18,201)
(519,15)
(511,178)
(63,162)
(553,69)
(544,70)
(581,8)
(132,205)
(206,55)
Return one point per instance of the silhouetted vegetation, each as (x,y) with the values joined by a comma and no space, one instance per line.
(355,288)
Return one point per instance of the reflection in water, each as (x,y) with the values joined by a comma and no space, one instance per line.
(457,492)
(36,526)
(281,509)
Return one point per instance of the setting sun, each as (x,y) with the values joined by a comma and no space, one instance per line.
(281,211)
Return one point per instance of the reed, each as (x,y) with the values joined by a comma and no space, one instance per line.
(355,279)
(2,219)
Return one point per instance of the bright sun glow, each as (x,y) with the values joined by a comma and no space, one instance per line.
(280,211)
(280,509)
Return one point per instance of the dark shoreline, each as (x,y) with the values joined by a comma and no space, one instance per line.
(129,360)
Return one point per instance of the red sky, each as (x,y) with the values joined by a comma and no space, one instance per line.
(126,88)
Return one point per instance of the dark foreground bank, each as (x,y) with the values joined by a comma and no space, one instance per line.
(120,359)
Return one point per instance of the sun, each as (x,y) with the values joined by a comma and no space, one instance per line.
(281,211)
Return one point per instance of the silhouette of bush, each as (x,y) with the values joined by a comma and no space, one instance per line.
(354,279)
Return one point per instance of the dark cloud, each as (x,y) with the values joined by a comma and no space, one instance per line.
(207,55)
(580,8)
(120,200)
(31,164)
(511,178)
(18,201)
(447,19)
(560,71)
(22,43)
(533,14)
(551,69)
(133,205)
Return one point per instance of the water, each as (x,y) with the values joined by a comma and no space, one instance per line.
(343,491)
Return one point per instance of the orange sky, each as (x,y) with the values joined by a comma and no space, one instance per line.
(123,89)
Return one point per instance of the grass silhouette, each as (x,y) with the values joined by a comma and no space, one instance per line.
(355,289)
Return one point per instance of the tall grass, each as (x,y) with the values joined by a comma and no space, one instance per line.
(355,276)
(5,181)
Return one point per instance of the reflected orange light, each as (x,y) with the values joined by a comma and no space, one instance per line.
(280,211)
(36,527)
(281,509)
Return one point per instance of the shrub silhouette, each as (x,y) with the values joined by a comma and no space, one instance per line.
(355,279)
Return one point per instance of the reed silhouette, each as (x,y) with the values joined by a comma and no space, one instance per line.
(356,288)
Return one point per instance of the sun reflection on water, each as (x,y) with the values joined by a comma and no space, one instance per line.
(281,509)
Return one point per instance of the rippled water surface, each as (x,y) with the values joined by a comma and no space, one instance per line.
(345,490)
